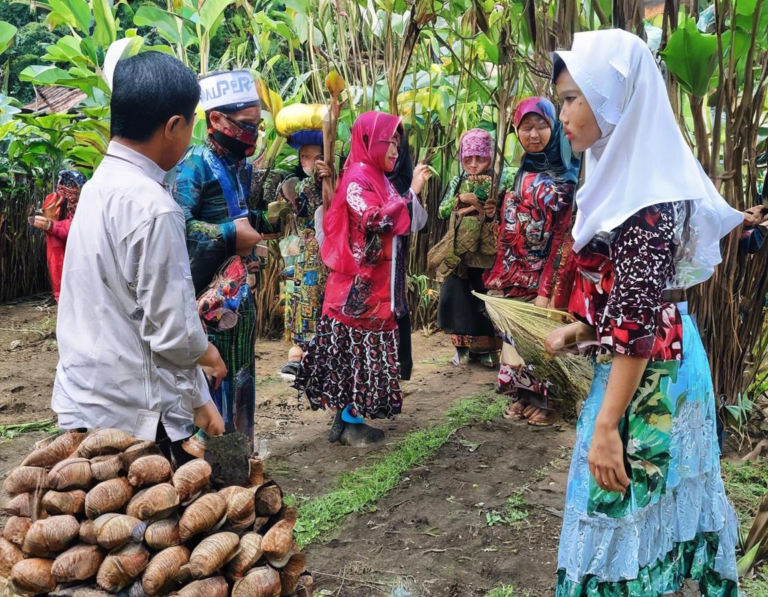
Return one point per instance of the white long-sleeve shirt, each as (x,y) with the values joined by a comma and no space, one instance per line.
(128,330)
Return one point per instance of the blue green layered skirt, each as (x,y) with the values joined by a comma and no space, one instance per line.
(674,522)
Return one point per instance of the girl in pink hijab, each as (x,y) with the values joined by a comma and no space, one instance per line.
(351,364)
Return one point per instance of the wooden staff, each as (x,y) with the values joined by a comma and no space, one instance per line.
(335,85)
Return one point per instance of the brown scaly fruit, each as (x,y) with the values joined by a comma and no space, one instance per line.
(78,563)
(154,503)
(163,570)
(210,587)
(250,553)
(163,534)
(108,496)
(211,555)
(10,555)
(16,529)
(72,473)
(61,448)
(149,470)
(50,536)
(269,499)
(190,479)
(26,479)
(64,502)
(34,576)
(278,540)
(104,468)
(241,507)
(122,567)
(202,515)
(112,532)
(289,575)
(259,582)
(105,441)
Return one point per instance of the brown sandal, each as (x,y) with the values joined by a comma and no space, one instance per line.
(550,417)
(515,411)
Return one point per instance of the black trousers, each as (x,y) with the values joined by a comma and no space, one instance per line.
(404,350)
(171,450)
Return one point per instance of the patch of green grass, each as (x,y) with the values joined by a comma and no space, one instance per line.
(745,483)
(515,511)
(506,591)
(359,490)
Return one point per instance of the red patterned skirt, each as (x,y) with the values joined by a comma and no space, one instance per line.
(344,365)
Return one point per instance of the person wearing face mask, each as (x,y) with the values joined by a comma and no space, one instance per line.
(351,364)
(645,506)
(535,219)
(305,279)
(211,186)
(466,252)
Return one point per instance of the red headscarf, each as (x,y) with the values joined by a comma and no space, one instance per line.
(366,165)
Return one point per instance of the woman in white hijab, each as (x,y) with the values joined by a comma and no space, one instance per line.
(646,506)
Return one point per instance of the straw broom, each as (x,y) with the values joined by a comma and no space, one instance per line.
(529,326)
(523,320)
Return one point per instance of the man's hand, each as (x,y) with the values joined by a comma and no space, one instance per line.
(213,365)
(208,419)
(245,237)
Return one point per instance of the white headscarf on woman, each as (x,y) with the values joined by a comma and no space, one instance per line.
(642,158)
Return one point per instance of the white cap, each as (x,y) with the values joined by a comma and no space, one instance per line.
(230,88)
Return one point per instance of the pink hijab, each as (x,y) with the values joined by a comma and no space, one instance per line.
(367,166)
(476,142)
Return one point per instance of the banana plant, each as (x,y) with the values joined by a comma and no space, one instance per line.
(7,33)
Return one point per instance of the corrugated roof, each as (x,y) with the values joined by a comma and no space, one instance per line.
(55,99)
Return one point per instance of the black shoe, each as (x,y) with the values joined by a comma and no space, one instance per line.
(336,428)
(360,436)
(290,370)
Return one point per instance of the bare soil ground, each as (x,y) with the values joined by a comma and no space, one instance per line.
(485,511)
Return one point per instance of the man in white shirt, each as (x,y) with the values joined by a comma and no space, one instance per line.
(131,344)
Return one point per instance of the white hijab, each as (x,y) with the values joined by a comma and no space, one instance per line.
(642,158)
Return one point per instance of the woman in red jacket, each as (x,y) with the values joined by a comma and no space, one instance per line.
(59,209)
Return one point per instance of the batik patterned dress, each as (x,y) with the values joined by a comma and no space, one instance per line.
(353,357)
(674,521)
(305,280)
(533,228)
(212,189)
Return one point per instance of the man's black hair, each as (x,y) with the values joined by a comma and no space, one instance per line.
(147,91)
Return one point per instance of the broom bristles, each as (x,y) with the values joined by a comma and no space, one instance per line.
(518,319)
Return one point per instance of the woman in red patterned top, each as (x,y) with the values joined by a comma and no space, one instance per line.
(645,507)
(351,364)
(534,227)
(58,211)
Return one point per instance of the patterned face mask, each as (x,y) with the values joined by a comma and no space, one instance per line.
(240,142)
